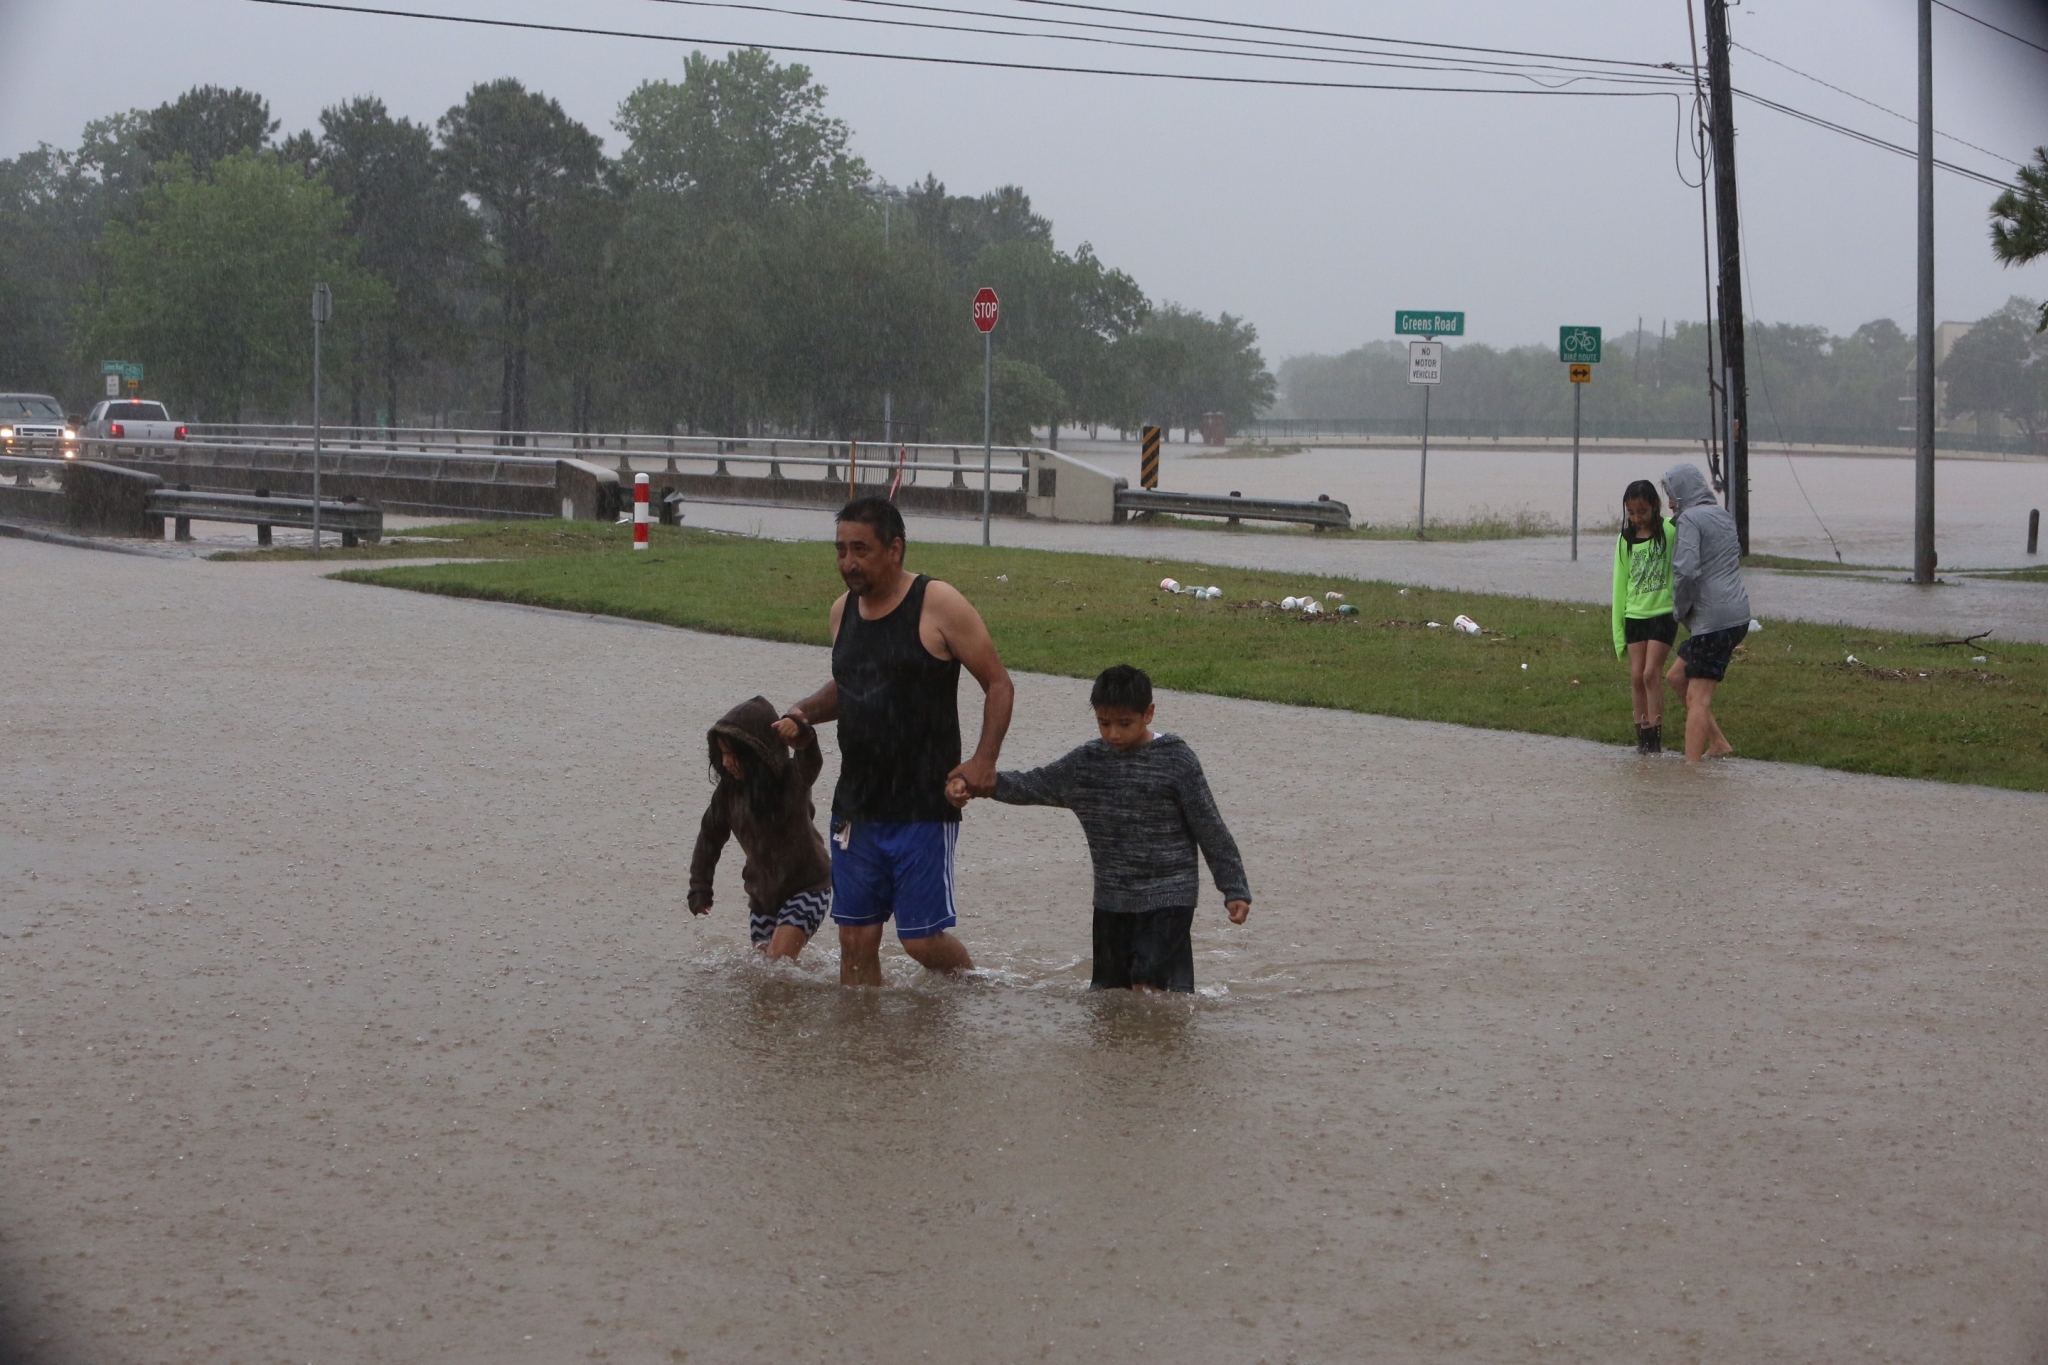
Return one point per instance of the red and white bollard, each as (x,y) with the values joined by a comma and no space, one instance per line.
(639,511)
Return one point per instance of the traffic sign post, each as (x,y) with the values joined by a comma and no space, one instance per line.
(987,308)
(1578,347)
(118,372)
(1426,367)
(323,309)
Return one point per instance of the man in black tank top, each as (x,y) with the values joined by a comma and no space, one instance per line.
(898,644)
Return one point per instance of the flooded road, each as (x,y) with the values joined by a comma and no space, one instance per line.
(350,1012)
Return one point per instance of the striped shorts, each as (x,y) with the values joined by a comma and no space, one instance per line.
(805,911)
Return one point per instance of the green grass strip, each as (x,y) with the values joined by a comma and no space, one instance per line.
(1903,709)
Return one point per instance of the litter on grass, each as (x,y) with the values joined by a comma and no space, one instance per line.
(1466,624)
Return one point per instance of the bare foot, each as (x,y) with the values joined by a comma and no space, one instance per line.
(1720,751)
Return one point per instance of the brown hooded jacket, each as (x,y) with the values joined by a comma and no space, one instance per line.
(785,853)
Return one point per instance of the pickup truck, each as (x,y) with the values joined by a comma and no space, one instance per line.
(132,421)
(34,424)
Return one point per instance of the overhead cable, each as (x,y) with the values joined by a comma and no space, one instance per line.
(935,60)
(1965,14)
(1872,103)
(1537,72)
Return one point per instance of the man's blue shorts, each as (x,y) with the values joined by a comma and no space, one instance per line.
(901,869)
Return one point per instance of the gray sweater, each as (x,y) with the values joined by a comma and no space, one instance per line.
(1144,813)
(1706,556)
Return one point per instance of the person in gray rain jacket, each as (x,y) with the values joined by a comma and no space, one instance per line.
(1709,600)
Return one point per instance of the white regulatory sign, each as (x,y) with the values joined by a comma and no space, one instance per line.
(1425,362)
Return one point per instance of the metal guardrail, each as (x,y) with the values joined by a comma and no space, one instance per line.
(629,454)
(1322,513)
(350,519)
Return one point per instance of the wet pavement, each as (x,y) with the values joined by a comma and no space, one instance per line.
(350,1013)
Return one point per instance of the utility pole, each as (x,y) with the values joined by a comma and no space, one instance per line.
(1728,232)
(1923,387)
(323,309)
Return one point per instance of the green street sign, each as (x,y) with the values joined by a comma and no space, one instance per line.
(125,369)
(1415,322)
(1578,345)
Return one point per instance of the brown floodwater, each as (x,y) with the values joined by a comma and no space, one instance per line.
(350,1012)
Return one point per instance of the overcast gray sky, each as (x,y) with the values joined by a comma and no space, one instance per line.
(1314,213)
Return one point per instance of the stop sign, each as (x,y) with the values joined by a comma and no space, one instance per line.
(985,310)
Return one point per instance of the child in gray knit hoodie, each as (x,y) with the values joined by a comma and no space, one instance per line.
(1145,808)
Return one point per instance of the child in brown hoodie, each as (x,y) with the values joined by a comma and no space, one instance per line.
(763,799)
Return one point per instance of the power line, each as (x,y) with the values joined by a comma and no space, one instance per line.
(1965,14)
(932,60)
(333,6)
(1321,33)
(1207,37)
(1348,57)
(1872,103)
(1869,139)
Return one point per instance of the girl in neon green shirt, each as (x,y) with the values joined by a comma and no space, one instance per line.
(1643,625)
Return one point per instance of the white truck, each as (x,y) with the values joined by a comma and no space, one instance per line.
(132,421)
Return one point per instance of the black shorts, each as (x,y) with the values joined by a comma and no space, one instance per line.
(1637,629)
(1151,948)
(1706,655)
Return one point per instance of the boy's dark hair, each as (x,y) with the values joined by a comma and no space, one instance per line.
(1123,687)
(879,513)
(1642,490)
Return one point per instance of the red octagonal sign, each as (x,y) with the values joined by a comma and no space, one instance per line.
(985,310)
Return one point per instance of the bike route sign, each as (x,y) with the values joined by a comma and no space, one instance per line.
(1578,345)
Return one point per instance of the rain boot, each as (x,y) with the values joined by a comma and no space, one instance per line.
(1653,738)
(1642,738)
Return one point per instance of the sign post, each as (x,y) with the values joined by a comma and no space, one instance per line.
(1578,347)
(986,309)
(323,309)
(1426,367)
(1148,457)
(119,371)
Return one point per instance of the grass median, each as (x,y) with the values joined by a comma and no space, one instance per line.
(1834,696)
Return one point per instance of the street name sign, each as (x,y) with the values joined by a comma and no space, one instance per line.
(1425,362)
(1418,322)
(1578,345)
(986,309)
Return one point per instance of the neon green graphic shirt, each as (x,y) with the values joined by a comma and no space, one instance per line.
(1642,580)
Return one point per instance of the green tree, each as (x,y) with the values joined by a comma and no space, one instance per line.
(961,227)
(210,285)
(1198,366)
(1063,314)
(527,163)
(206,125)
(2019,220)
(1998,369)
(53,206)
(411,228)
(737,136)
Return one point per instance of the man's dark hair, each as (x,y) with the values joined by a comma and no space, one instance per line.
(1123,687)
(879,513)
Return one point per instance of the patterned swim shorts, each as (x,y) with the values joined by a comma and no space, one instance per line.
(805,911)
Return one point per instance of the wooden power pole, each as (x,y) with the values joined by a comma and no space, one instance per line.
(1728,234)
